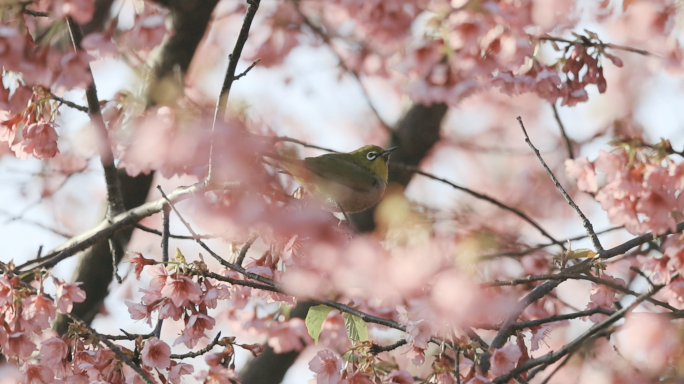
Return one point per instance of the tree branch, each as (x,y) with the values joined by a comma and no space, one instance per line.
(585,222)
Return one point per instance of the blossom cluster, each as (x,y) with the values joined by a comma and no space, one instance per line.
(639,191)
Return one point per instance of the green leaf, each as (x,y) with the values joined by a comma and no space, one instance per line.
(314,320)
(356,327)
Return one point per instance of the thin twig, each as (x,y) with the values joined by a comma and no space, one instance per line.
(246,71)
(171,235)
(229,78)
(114,199)
(588,43)
(552,357)
(35,13)
(558,367)
(541,246)
(245,248)
(642,274)
(199,352)
(328,42)
(416,170)
(566,139)
(585,222)
(68,103)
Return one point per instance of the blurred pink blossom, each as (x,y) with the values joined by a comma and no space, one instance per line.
(326,365)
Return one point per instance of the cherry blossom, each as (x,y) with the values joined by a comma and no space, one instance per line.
(156,354)
(67,295)
(503,360)
(39,141)
(326,365)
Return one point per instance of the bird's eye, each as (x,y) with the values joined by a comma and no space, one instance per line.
(371,156)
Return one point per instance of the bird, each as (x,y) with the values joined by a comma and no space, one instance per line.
(343,182)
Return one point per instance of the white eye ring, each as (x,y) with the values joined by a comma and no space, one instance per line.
(371,156)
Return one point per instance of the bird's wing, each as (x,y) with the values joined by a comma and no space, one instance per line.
(342,172)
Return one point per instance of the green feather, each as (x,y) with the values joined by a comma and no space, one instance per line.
(339,168)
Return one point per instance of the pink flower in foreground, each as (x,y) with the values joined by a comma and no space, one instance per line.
(18,344)
(504,359)
(419,333)
(399,377)
(39,311)
(68,294)
(479,379)
(6,292)
(139,311)
(53,351)
(602,295)
(326,365)
(139,262)
(287,336)
(582,171)
(75,71)
(647,341)
(357,377)
(39,141)
(80,10)
(156,354)
(194,330)
(37,374)
(179,369)
(181,290)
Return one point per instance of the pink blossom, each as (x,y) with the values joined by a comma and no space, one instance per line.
(140,262)
(646,341)
(100,44)
(602,295)
(148,32)
(11,47)
(75,71)
(357,377)
(53,351)
(139,311)
(39,141)
(80,10)
(6,292)
(37,374)
(169,310)
(195,329)
(179,369)
(156,354)
(67,295)
(18,344)
(181,290)
(542,332)
(659,267)
(38,311)
(287,336)
(132,376)
(326,365)
(505,359)
(399,377)
(419,333)
(478,379)
(583,171)
(159,274)
(416,355)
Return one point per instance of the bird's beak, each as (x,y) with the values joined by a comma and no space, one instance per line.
(387,152)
